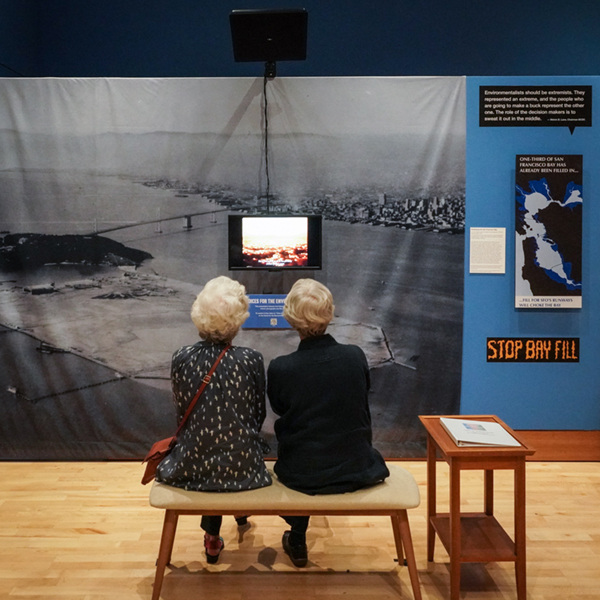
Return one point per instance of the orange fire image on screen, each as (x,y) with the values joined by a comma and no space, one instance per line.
(275,241)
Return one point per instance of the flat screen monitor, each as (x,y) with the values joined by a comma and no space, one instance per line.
(274,242)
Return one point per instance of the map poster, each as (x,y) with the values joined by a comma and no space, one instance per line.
(548,228)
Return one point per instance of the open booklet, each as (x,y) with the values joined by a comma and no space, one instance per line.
(477,433)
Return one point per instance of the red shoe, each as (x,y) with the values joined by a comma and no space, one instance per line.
(213,545)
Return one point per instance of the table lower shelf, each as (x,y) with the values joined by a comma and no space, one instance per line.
(482,538)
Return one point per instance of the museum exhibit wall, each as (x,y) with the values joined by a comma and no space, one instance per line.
(114,214)
(190,38)
(67,38)
(529,395)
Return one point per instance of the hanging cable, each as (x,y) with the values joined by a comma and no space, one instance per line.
(266,121)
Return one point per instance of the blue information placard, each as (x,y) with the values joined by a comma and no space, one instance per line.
(266,312)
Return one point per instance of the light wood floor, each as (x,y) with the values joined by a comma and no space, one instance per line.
(84,531)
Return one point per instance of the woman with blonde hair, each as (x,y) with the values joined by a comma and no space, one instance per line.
(219,448)
(320,394)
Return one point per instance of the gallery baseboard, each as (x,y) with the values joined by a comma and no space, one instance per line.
(563,445)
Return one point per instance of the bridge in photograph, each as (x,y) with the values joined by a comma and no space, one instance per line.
(187,217)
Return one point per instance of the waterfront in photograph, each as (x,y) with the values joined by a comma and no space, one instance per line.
(114,203)
(404,284)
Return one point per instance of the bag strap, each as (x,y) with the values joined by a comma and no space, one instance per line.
(205,382)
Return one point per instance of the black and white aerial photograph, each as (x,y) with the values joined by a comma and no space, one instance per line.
(114,203)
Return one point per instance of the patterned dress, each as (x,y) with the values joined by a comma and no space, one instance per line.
(218,449)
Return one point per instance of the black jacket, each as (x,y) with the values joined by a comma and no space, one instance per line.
(324,430)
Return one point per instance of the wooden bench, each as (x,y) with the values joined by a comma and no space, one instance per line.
(391,498)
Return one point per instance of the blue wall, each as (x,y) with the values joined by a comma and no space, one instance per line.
(529,396)
(190,38)
(19,37)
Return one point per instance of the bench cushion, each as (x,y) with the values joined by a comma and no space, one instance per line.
(399,491)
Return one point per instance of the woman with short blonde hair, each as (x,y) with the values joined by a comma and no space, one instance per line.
(220,309)
(309,307)
(219,449)
(320,393)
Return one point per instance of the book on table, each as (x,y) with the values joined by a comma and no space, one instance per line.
(477,433)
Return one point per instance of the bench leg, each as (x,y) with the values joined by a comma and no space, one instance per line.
(404,527)
(164,552)
(398,539)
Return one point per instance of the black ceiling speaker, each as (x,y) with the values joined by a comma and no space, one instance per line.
(269,35)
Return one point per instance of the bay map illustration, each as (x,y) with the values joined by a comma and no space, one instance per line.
(548,229)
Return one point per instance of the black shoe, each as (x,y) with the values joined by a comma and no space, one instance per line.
(214,545)
(298,554)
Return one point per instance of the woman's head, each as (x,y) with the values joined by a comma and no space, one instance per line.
(309,307)
(220,309)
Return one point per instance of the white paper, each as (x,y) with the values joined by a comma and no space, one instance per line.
(487,250)
(478,433)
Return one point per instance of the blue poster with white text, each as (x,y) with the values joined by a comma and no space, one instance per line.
(266,312)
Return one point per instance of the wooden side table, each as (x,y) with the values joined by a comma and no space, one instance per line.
(475,537)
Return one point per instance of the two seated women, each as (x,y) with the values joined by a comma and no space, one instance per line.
(319,392)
